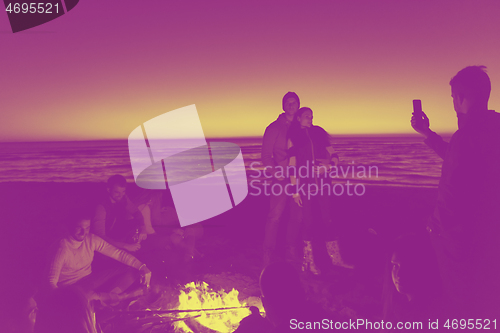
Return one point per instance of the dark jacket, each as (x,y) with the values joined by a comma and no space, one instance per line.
(466,221)
(309,144)
(116,220)
(469,188)
(309,147)
(274,144)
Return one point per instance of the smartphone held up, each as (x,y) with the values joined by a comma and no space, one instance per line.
(417,107)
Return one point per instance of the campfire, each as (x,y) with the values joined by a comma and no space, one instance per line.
(193,308)
(219,311)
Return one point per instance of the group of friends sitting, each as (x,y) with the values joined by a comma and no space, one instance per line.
(98,263)
(77,284)
(100,260)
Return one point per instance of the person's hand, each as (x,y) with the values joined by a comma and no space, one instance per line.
(145,275)
(132,247)
(142,236)
(297,200)
(420,123)
(322,169)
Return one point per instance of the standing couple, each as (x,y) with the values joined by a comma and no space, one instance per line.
(293,143)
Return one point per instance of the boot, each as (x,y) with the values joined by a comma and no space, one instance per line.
(333,251)
(308,262)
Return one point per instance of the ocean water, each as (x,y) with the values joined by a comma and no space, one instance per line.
(393,161)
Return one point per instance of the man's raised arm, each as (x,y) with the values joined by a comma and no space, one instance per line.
(436,142)
(420,124)
(101,246)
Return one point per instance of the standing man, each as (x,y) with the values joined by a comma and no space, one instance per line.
(275,161)
(464,228)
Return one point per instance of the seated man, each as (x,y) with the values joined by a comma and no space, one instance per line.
(72,261)
(117,219)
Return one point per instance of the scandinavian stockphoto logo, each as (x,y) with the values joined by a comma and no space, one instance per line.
(28,14)
(205,179)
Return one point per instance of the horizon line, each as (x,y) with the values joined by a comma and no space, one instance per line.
(364,135)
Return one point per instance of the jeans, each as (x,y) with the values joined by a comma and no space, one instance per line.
(317,222)
(278,203)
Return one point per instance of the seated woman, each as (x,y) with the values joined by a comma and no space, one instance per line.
(162,225)
(311,156)
(412,290)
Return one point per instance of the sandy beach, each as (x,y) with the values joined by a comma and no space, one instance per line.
(232,242)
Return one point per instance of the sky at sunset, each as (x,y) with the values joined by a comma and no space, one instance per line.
(107,66)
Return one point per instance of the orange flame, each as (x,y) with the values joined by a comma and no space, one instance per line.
(201,296)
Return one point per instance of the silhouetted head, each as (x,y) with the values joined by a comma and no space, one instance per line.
(470,89)
(414,272)
(291,103)
(65,310)
(254,310)
(412,285)
(282,293)
(18,308)
(304,117)
(117,187)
